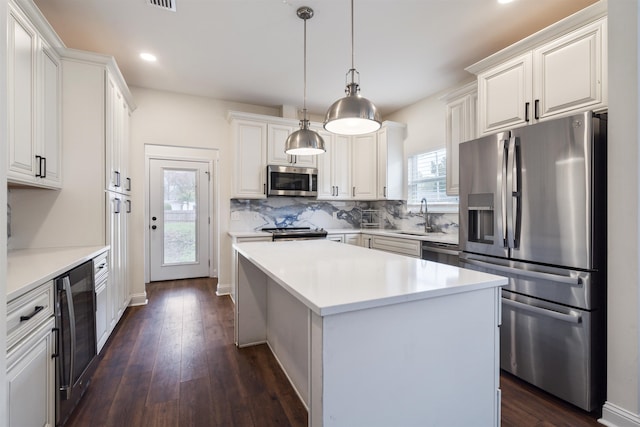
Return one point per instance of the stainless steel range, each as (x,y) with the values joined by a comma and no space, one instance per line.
(295,233)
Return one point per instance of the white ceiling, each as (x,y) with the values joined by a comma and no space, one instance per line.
(251,51)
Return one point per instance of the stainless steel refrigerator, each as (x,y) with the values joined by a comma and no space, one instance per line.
(533,209)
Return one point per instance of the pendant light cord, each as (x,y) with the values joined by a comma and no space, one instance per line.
(353,67)
(304,98)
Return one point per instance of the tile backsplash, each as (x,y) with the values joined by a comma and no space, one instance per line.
(250,215)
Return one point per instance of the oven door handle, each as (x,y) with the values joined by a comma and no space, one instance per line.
(66,388)
(571,318)
(573,281)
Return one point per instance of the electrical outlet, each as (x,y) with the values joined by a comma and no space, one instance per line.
(235,216)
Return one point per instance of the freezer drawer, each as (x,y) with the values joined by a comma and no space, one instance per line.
(557,348)
(575,288)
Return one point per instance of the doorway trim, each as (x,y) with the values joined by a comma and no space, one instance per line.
(168,152)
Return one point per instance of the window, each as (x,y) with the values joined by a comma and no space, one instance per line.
(428,178)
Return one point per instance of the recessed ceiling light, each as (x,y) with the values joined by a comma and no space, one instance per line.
(148,57)
(504,1)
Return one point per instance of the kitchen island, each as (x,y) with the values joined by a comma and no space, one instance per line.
(372,338)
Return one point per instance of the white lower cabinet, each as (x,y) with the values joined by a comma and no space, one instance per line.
(31,379)
(352,239)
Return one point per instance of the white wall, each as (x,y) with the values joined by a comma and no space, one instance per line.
(623,375)
(166,118)
(425,122)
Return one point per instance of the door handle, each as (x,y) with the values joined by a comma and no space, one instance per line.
(573,281)
(503,192)
(571,318)
(66,388)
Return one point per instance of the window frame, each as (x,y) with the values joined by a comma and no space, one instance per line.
(444,203)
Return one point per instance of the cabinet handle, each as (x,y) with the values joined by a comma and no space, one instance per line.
(264,189)
(384,191)
(128,184)
(128,203)
(353,192)
(43,167)
(39,171)
(526,112)
(536,109)
(117,210)
(337,191)
(116,180)
(37,310)
(56,352)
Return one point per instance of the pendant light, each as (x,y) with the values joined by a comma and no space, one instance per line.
(353,114)
(304,141)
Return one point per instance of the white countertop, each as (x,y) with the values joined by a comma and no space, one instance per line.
(331,278)
(29,268)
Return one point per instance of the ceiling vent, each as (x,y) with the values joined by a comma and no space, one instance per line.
(164,4)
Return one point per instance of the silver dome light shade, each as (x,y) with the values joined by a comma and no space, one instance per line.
(304,142)
(353,114)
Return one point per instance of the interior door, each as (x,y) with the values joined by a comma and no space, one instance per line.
(179,219)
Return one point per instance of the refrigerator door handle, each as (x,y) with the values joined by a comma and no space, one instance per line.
(503,193)
(516,192)
(573,281)
(571,318)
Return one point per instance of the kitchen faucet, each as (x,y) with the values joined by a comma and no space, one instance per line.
(427,226)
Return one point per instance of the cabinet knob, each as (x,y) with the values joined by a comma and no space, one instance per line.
(153,227)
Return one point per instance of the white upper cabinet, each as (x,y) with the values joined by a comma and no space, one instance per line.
(249,172)
(33,96)
(504,94)
(117,138)
(558,71)
(277,138)
(364,177)
(570,73)
(461,126)
(392,176)
(334,167)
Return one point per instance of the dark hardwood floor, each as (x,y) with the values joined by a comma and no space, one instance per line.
(173,363)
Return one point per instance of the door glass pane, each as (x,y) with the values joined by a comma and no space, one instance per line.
(179,216)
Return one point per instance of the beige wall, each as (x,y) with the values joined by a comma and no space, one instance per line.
(166,118)
(425,122)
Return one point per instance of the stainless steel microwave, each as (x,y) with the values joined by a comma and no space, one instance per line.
(292,181)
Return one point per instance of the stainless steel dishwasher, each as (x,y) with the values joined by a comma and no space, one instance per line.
(446,253)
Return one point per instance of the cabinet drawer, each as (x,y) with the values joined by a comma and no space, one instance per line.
(24,313)
(399,246)
(101,266)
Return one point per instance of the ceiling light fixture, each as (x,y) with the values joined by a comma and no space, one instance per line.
(304,141)
(148,57)
(353,114)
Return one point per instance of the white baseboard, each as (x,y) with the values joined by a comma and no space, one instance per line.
(138,299)
(615,416)
(223,289)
